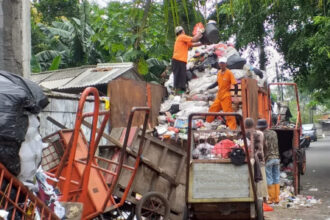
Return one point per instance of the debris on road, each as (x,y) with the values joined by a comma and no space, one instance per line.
(287,197)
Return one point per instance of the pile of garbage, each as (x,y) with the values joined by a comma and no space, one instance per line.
(21,100)
(282,115)
(287,196)
(215,145)
(202,69)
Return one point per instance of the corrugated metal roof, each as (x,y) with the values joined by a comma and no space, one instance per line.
(85,76)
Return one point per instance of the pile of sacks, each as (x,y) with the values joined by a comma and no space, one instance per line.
(202,69)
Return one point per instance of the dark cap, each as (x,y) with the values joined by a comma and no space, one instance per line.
(249,123)
(262,123)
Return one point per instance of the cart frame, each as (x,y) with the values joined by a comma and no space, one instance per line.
(68,161)
(20,200)
(229,201)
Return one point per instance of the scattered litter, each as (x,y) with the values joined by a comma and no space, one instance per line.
(3,214)
(313,189)
(287,197)
(283,175)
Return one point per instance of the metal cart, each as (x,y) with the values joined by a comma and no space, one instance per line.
(289,138)
(19,201)
(71,159)
(217,189)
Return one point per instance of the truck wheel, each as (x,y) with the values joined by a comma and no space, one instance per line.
(260,210)
(153,205)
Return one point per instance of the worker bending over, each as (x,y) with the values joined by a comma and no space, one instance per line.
(223,99)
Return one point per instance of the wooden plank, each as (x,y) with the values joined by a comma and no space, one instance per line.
(245,103)
(181,169)
(106,136)
(164,144)
(250,98)
(158,93)
(124,95)
(253,98)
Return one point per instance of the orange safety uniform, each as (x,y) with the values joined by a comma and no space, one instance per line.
(223,99)
(182,44)
(179,61)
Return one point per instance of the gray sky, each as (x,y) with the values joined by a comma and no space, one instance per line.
(102,3)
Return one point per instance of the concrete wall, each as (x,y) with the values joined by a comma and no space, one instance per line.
(15,36)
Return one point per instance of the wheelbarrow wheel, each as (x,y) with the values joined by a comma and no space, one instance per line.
(153,206)
(260,210)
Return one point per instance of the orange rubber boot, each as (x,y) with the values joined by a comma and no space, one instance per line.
(277,193)
(271,194)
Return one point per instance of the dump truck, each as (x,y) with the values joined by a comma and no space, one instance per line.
(163,162)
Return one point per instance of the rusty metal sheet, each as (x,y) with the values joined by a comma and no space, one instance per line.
(250,98)
(124,95)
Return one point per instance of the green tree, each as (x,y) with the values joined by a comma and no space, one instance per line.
(302,33)
(70,41)
(299,29)
(245,20)
(66,42)
(125,33)
(53,9)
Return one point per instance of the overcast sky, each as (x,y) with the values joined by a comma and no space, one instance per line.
(102,3)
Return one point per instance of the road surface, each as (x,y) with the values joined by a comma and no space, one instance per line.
(317,177)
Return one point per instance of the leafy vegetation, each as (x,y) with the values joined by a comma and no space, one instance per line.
(143,32)
(298,29)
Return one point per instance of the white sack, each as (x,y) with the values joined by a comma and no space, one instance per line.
(31,151)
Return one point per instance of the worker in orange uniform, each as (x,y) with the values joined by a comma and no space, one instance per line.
(180,56)
(223,100)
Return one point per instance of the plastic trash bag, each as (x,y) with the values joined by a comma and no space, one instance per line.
(36,97)
(9,156)
(18,96)
(235,62)
(31,151)
(13,119)
(239,73)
